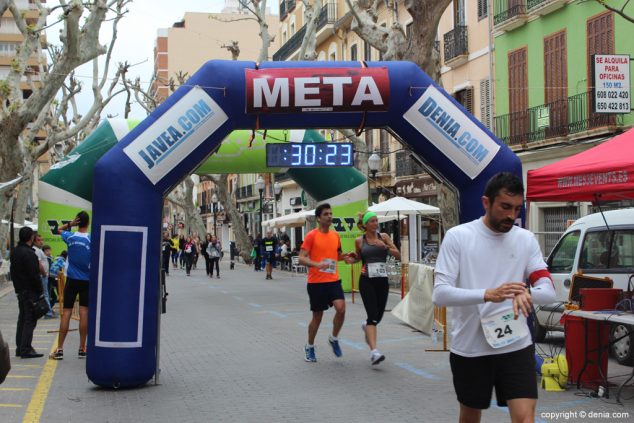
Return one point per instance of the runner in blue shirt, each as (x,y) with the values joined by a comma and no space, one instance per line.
(78,275)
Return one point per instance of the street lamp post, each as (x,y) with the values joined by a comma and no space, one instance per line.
(214,204)
(277,189)
(374,163)
(260,187)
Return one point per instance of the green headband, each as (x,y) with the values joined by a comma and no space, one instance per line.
(367,216)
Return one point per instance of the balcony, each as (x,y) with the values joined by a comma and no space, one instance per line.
(554,122)
(509,14)
(544,7)
(456,47)
(327,16)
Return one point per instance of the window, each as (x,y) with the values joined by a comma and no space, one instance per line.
(556,78)
(485,102)
(482,9)
(465,97)
(600,33)
(607,250)
(563,256)
(367,51)
(458,13)
(518,91)
(353,53)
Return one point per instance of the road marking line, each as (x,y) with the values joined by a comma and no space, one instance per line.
(38,399)
(12,405)
(15,389)
(416,371)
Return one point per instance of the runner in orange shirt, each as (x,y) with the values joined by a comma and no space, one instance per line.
(320,252)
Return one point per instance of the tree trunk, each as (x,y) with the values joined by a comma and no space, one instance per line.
(192,216)
(228,202)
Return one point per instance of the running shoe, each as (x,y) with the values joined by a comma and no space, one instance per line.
(334,343)
(57,355)
(310,354)
(81,353)
(376,357)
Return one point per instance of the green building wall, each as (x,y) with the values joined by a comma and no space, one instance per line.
(572,17)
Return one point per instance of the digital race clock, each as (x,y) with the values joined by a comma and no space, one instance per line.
(323,154)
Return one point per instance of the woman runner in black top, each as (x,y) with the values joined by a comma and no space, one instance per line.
(372,249)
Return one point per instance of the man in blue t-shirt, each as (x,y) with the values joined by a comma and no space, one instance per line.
(78,275)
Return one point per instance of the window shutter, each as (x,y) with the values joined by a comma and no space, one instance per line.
(482,9)
(485,102)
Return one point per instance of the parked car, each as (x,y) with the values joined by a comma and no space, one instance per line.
(599,250)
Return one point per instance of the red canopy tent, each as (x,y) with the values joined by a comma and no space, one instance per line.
(604,172)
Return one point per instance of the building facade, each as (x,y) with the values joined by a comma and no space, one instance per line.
(544,89)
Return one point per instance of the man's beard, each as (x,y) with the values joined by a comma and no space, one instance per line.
(503,226)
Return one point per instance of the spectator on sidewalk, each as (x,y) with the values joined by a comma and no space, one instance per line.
(58,265)
(203,250)
(51,298)
(27,282)
(175,250)
(214,251)
(77,281)
(181,250)
(189,249)
(5,359)
(166,251)
(38,246)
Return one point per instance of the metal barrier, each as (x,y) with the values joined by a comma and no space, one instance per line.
(355,274)
(440,325)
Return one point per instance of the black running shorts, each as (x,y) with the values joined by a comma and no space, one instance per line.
(73,288)
(512,374)
(323,294)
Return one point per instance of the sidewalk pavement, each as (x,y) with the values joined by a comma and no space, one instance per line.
(232,351)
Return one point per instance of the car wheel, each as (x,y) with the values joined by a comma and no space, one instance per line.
(622,349)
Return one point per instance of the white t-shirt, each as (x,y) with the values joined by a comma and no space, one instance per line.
(472,259)
(41,257)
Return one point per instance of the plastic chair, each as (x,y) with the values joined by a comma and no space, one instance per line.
(296,267)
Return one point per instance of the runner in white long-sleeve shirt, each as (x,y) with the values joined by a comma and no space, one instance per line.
(483,270)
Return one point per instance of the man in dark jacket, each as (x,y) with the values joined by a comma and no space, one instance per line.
(25,274)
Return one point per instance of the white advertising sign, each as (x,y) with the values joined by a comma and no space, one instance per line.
(611,83)
(452,132)
(173,136)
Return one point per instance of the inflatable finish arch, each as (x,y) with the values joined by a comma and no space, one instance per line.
(131,180)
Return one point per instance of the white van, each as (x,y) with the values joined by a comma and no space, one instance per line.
(596,249)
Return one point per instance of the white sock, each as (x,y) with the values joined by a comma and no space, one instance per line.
(310,346)
(333,338)
(375,351)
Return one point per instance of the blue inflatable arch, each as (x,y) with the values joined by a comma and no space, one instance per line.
(131,180)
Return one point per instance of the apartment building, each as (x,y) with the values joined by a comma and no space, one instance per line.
(543,89)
